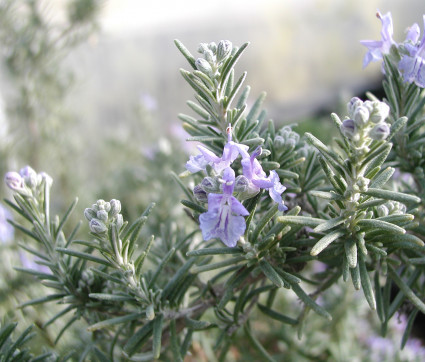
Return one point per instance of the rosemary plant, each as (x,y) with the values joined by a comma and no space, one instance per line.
(263,206)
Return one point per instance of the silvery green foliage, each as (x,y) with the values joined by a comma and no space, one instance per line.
(146,297)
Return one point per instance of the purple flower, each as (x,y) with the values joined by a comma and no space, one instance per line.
(6,230)
(230,152)
(379,47)
(412,64)
(224,218)
(258,179)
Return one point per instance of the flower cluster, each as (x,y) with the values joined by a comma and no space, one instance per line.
(27,182)
(224,218)
(214,56)
(410,54)
(102,214)
(366,122)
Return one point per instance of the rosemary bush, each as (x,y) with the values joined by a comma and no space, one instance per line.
(276,229)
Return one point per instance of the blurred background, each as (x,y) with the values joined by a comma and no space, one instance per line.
(90,91)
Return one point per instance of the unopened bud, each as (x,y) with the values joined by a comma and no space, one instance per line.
(361,116)
(89,214)
(353,104)
(241,183)
(200,194)
(102,215)
(119,221)
(29,176)
(380,112)
(115,207)
(380,132)
(46,178)
(349,129)
(14,181)
(224,49)
(150,312)
(97,226)
(203,66)
(382,210)
(209,184)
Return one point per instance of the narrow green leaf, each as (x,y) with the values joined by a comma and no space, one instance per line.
(82,255)
(58,315)
(355,277)
(137,340)
(382,225)
(157,334)
(300,220)
(255,109)
(408,329)
(310,302)
(257,345)
(5,332)
(397,126)
(65,327)
(189,57)
(231,63)
(114,321)
(175,343)
(161,266)
(198,110)
(214,251)
(325,241)
(329,224)
(197,325)
(194,206)
(218,265)
(111,297)
(235,89)
(244,96)
(178,276)
(263,222)
(271,274)
(366,283)
(350,247)
(392,195)
(276,315)
(406,289)
(65,218)
(47,298)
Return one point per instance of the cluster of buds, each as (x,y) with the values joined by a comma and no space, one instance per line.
(102,214)
(214,56)
(286,139)
(215,185)
(27,182)
(86,281)
(391,208)
(366,122)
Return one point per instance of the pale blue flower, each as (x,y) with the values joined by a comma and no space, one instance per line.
(377,48)
(231,151)
(412,64)
(6,230)
(224,218)
(258,179)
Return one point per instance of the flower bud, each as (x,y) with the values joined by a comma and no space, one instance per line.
(119,221)
(150,312)
(200,194)
(89,214)
(279,143)
(382,210)
(353,104)
(29,176)
(203,66)
(209,184)
(100,204)
(97,226)
(224,49)
(46,178)
(115,207)
(380,112)
(363,183)
(361,116)
(241,184)
(349,129)
(202,48)
(380,132)
(14,181)
(102,215)
(213,47)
